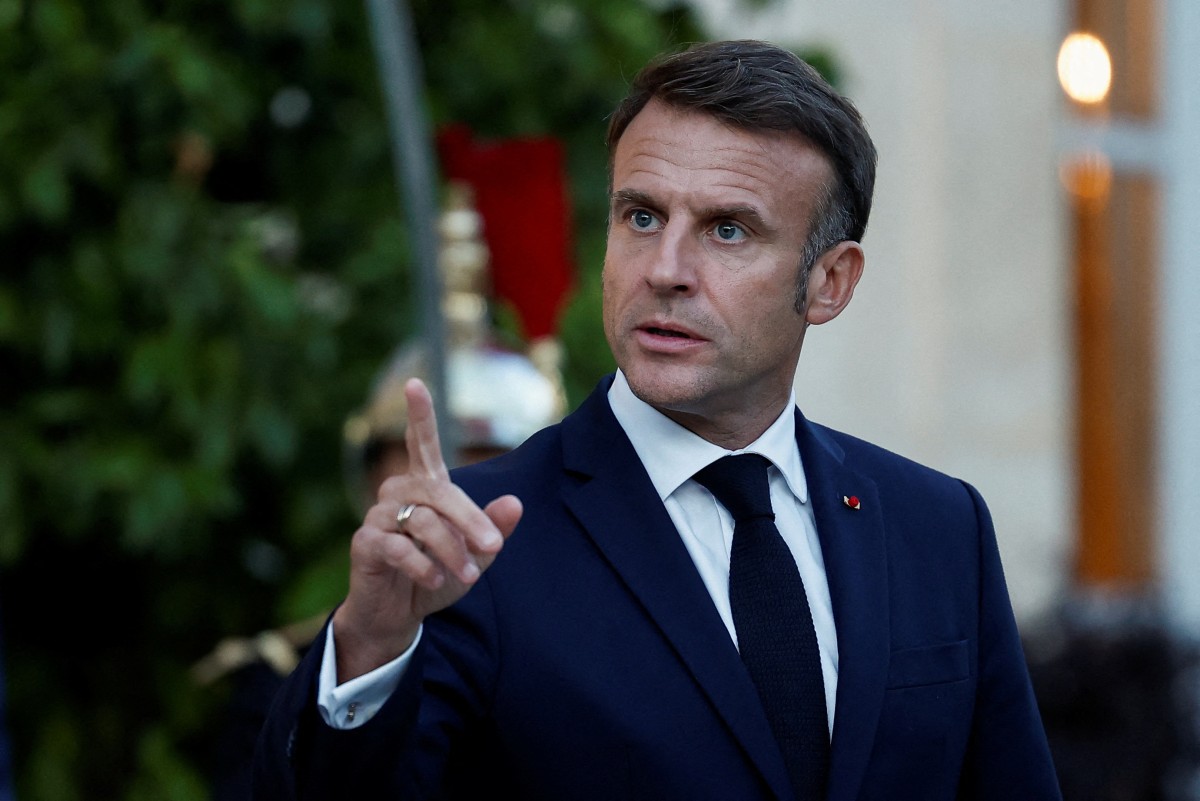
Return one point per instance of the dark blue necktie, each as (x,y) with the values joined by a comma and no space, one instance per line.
(774,624)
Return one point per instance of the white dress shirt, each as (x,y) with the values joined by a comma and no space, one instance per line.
(671,455)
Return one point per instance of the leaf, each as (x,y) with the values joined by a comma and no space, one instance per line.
(271,431)
(46,190)
(10,318)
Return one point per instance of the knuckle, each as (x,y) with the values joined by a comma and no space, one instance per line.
(423,517)
(420,568)
(391,487)
(375,516)
(364,543)
(450,496)
(403,555)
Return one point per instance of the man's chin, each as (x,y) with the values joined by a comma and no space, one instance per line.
(665,389)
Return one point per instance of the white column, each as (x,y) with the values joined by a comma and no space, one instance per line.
(1179,431)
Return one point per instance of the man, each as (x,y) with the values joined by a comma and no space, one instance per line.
(630,642)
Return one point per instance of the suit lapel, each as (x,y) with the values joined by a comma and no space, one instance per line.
(618,507)
(853,546)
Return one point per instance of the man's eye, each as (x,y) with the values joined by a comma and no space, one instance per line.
(642,220)
(729,232)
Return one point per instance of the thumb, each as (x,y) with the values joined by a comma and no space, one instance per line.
(505,512)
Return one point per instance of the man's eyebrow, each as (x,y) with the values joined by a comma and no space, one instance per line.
(713,212)
(749,214)
(630,196)
(638,197)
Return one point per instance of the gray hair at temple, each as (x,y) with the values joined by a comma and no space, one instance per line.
(757,86)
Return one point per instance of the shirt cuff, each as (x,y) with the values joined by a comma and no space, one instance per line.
(350,705)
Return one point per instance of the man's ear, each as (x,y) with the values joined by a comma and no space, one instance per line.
(832,280)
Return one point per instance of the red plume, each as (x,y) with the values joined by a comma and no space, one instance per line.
(520,191)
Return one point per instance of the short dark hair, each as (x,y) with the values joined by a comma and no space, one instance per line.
(757,86)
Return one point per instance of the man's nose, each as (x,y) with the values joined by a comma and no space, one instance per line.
(674,263)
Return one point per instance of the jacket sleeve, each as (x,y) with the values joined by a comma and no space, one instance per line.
(401,752)
(1007,754)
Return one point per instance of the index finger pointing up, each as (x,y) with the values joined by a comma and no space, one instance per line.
(421,433)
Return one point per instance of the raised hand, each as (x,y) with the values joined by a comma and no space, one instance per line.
(420,548)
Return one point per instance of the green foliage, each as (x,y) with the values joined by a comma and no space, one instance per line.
(203,265)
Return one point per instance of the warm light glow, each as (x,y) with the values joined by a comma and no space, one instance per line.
(1084,68)
(1087,175)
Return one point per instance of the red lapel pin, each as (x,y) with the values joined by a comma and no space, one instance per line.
(852,501)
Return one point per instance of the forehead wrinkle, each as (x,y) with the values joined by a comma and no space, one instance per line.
(766,170)
(752,165)
(745,174)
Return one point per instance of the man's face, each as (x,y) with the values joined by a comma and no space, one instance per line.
(704,249)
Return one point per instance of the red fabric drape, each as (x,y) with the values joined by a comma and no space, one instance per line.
(520,191)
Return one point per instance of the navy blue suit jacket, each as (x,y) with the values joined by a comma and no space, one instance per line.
(590,663)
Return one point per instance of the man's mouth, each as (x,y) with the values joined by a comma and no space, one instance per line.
(667,332)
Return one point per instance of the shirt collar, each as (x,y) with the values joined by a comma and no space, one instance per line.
(672,454)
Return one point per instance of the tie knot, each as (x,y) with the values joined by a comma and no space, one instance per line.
(740,484)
